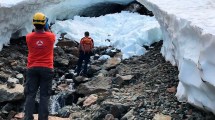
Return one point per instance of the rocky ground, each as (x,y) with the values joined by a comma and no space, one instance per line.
(139,88)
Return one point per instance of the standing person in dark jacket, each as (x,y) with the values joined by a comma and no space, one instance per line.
(85,51)
(39,68)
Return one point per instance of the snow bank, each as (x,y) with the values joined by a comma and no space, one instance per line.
(125,31)
(16,15)
(189,42)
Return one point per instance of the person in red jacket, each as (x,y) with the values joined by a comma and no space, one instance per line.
(85,51)
(39,68)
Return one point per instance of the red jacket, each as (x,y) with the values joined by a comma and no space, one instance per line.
(40,49)
(82,42)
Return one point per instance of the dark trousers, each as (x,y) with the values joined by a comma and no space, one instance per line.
(38,77)
(83,57)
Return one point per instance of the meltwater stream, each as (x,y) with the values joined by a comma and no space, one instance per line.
(58,101)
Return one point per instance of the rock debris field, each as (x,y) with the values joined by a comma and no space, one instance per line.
(139,88)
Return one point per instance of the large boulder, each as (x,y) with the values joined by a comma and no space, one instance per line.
(119,80)
(73,50)
(96,85)
(117,110)
(14,94)
(68,43)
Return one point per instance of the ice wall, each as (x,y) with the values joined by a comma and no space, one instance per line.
(16,15)
(189,42)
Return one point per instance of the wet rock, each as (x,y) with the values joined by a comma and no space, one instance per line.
(11,94)
(65,111)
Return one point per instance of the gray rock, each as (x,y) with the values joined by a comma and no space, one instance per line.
(100,114)
(14,94)
(111,63)
(129,115)
(1,64)
(80,79)
(59,51)
(119,80)
(11,85)
(68,43)
(7,108)
(13,80)
(73,60)
(3,76)
(96,85)
(116,109)
(109,117)
(75,115)
(93,69)
(65,111)
(20,77)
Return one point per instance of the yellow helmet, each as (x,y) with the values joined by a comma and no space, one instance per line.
(39,18)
